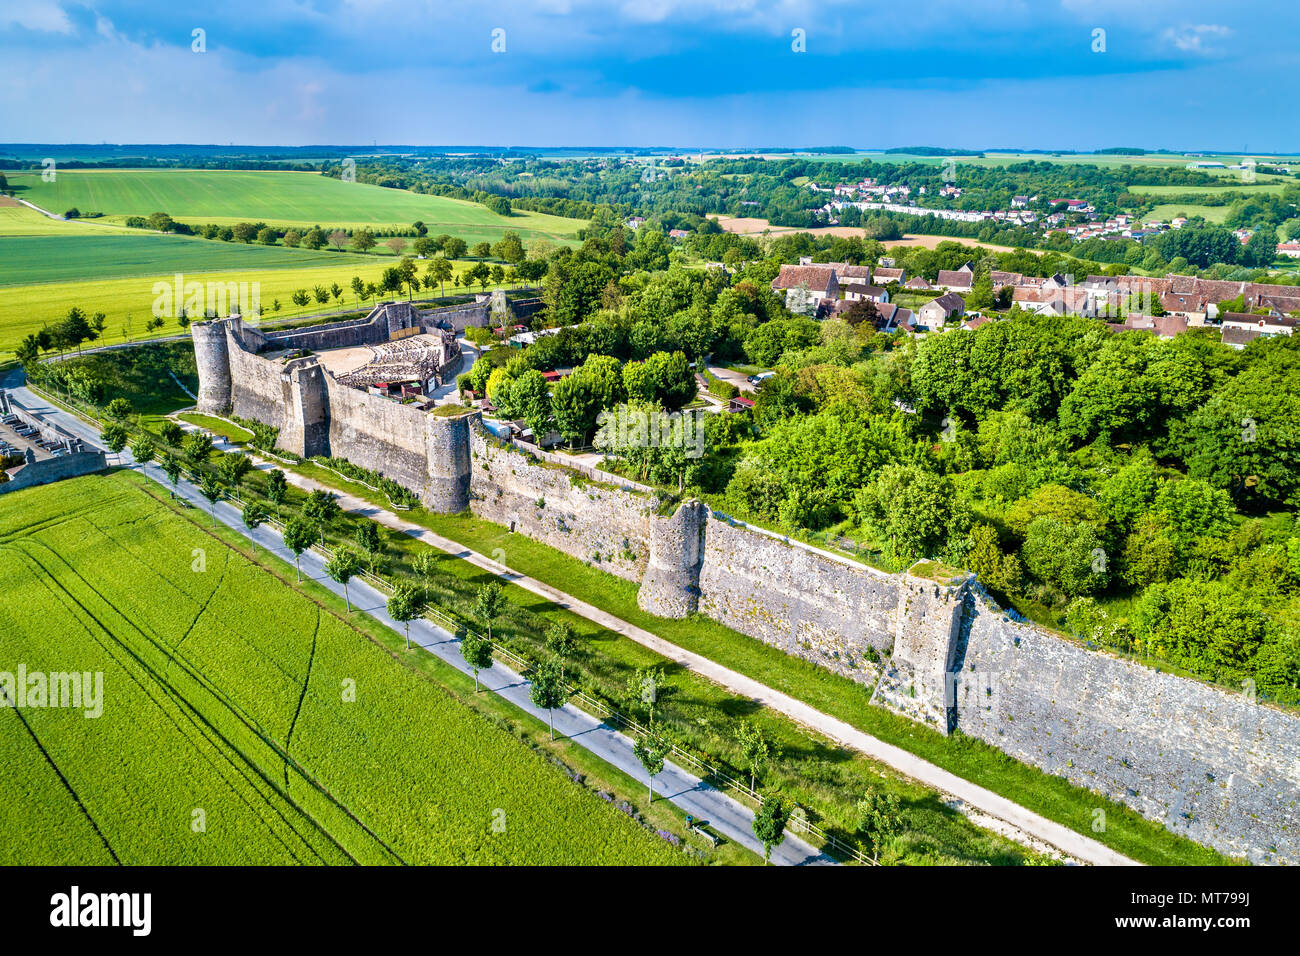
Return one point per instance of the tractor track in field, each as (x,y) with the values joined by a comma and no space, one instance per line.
(221,743)
(235,710)
(176,648)
(67,784)
(306,682)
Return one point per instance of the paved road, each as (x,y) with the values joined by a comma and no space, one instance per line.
(738,379)
(730,818)
(982,799)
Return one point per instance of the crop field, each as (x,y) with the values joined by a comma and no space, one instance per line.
(1166,211)
(277,198)
(27,308)
(118,255)
(230,737)
(1229,191)
(18,220)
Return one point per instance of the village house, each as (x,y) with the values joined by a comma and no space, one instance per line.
(821,280)
(885,275)
(1195,309)
(1238,338)
(855,291)
(957,280)
(1263,324)
(937,311)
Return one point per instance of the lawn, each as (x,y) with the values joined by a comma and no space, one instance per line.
(232,433)
(279,198)
(230,737)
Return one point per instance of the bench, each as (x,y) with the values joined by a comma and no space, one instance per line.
(713,838)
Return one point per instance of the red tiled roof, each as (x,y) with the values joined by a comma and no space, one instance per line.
(816,278)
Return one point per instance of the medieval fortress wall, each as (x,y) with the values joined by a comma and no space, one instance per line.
(1215,766)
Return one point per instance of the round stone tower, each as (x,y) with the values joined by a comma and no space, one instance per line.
(671,587)
(212,356)
(446,446)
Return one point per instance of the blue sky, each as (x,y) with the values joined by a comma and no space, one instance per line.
(1181,74)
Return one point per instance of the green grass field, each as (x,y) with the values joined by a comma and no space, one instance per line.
(277,198)
(233,737)
(1274,184)
(1167,211)
(18,220)
(26,308)
(32,260)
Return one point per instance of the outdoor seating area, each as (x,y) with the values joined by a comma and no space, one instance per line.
(18,435)
(35,451)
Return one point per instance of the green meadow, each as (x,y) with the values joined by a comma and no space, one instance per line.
(30,260)
(284,199)
(1166,211)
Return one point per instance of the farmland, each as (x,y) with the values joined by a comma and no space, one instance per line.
(118,255)
(230,737)
(25,309)
(1166,211)
(282,199)
(19,220)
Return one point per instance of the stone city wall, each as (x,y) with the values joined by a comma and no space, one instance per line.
(832,611)
(1211,765)
(592,521)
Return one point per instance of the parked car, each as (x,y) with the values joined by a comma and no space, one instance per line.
(760,378)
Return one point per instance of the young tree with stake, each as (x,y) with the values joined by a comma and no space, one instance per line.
(406,604)
(143,450)
(210,488)
(369,541)
(769,823)
(299,534)
(755,749)
(477,651)
(341,566)
(320,508)
(548,689)
(254,515)
(171,466)
(879,820)
(651,752)
(425,565)
(277,489)
(488,604)
(115,438)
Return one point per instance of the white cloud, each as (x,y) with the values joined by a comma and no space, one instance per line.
(1196,39)
(38,15)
